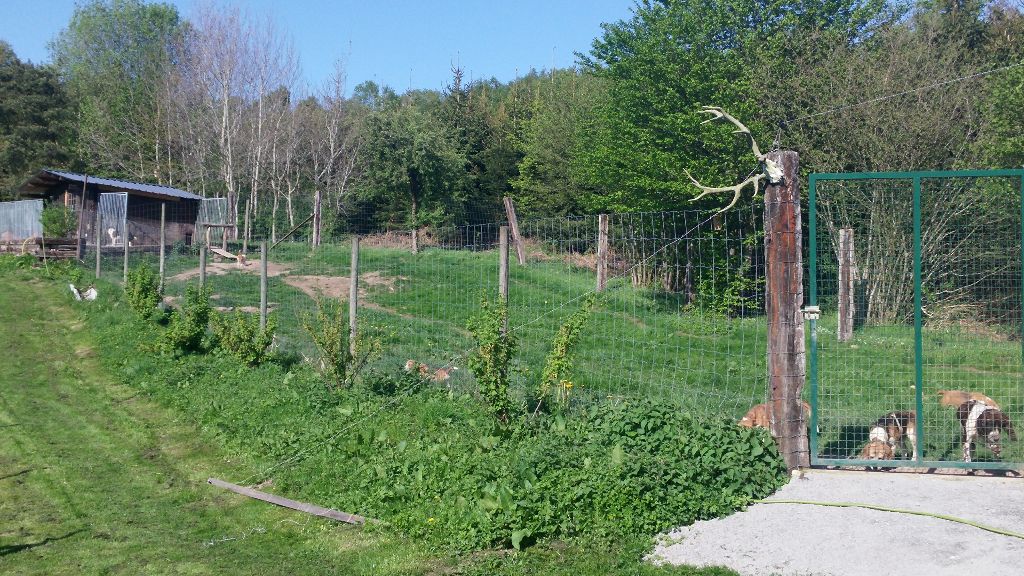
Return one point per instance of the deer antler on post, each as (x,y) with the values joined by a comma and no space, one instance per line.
(768,167)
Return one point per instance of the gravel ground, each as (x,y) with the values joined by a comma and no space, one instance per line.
(795,539)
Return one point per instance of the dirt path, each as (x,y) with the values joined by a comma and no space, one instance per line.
(793,539)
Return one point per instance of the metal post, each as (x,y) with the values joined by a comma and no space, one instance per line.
(918,345)
(98,236)
(602,251)
(812,230)
(353,296)
(263,285)
(202,266)
(163,241)
(783,306)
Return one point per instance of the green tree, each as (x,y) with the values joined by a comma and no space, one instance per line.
(561,107)
(35,120)
(669,59)
(115,58)
(413,168)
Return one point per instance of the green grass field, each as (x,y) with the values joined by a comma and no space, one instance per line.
(98,477)
(639,342)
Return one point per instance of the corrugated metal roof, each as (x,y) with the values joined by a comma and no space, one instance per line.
(124,185)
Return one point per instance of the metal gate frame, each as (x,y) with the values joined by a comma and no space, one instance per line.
(915,178)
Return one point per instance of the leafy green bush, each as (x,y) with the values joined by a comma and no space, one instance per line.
(492,360)
(240,335)
(557,373)
(329,330)
(187,326)
(142,290)
(59,221)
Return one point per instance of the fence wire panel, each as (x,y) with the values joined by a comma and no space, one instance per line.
(919,283)
(680,317)
(20,220)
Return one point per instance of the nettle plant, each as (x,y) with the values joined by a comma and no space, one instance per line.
(491,362)
(240,335)
(556,378)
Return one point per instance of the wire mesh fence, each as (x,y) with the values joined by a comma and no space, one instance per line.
(919,279)
(680,316)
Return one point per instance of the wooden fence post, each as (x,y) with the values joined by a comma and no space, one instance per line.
(126,241)
(263,285)
(513,221)
(503,268)
(202,266)
(98,236)
(353,296)
(602,251)
(81,214)
(847,272)
(163,241)
(784,300)
(415,240)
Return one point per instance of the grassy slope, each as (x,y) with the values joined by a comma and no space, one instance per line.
(639,342)
(95,478)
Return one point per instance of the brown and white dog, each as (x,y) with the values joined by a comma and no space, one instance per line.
(877,450)
(892,428)
(760,416)
(955,398)
(438,375)
(980,419)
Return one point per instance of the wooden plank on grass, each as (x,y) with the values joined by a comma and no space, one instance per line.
(288,503)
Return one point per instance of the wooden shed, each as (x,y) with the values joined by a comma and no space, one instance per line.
(81,192)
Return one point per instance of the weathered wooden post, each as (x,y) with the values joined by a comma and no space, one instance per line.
(263,285)
(79,247)
(602,251)
(126,241)
(415,240)
(784,300)
(202,266)
(513,221)
(503,268)
(163,241)
(353,296)
(847,273)
(96,233)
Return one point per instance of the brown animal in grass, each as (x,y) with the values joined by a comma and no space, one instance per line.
(437,375)
(760,416)
(877,450)
(956,398)
(893,428)
(980,419)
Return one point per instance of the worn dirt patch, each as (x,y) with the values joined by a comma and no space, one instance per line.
(219,268)
(799,539)
(337,286)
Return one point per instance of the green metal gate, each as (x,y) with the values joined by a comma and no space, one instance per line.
(932,281)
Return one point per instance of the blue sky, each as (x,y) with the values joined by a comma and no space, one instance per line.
(400,43)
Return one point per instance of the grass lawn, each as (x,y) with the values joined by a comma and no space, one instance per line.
(96,478)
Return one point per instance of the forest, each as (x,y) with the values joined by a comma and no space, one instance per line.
(214,104)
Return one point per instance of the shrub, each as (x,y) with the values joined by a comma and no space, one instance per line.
(142,290)
(557,373)
(59,221)
(492,360)
(240,335)
(187,327)
(329,330)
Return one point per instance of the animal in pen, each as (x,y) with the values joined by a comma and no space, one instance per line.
(955,398)
(980,419)
(759,416)
(893,428)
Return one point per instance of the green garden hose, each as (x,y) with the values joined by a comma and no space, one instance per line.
(898,511)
